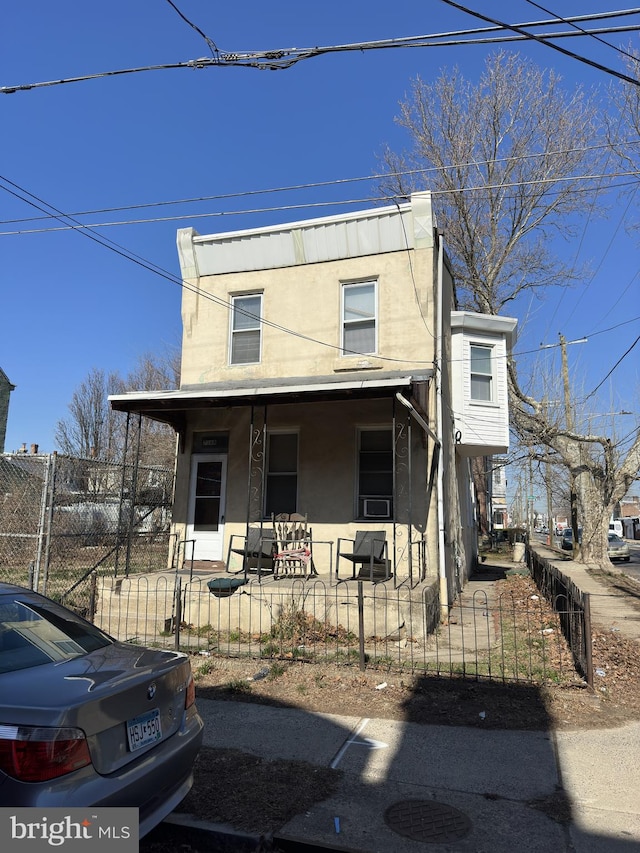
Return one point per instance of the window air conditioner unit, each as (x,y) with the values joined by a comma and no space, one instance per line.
(377,508)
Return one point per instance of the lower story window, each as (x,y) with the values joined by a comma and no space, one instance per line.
(282,473)
(375,474)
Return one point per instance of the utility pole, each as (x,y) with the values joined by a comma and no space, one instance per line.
(573,499)
(549,507)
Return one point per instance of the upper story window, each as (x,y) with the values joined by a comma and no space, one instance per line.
(481,373)
(246,329)
(359,318)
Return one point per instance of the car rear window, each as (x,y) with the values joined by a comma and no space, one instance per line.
(34,631)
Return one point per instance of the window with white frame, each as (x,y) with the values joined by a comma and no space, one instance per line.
(282,473)
(481,372)
(375,474)
(246,329)
(359,317)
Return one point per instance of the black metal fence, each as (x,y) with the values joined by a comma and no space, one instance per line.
(573,608)
(513,636)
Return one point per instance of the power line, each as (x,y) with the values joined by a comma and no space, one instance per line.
(36,202)
(309,205)
(618,362)
(335,182)
(584,32)
(211,44)
(283,58)
(518,29)
(33,200)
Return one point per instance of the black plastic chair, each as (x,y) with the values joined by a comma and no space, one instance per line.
(369,549)
(257,550)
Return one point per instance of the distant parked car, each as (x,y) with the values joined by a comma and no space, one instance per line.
(617,548)
(567,538)
(86,720)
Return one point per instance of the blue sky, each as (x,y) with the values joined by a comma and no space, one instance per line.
(69,305)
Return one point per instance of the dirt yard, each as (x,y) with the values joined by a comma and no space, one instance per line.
(227,780)
(441,700)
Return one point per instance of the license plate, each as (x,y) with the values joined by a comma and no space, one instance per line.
(143,730)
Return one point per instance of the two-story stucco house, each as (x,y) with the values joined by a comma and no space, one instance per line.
(326,372)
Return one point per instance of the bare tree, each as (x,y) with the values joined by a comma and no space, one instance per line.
(93,429)
(89,429)
(602,469)
(503,160)
(506,161)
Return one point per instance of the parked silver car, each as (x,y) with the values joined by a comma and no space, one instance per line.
(86,720)
(617,548)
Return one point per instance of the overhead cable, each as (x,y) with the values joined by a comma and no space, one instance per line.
(312,205)
(535,37)
(584,32)
(283,58)
(335,182)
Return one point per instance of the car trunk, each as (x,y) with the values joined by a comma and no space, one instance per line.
(125,698)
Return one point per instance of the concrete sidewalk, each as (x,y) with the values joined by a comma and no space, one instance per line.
(459,789)
(610,608)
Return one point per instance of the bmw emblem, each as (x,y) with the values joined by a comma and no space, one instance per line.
(151,690)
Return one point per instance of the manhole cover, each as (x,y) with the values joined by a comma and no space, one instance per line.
(426,820)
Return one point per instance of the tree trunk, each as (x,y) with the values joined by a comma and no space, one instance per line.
(593,517)
(478,468)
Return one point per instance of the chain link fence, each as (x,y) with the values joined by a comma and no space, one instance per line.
(65,520)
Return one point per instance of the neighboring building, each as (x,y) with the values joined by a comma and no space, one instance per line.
(5,392)
(499,514)
(630,506)
(317,372)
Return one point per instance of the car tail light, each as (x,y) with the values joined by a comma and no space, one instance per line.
(36,754)
(190,692)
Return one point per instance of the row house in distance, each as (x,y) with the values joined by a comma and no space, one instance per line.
(325,371)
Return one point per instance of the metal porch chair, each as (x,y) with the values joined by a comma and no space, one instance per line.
(368,551)
(257,550)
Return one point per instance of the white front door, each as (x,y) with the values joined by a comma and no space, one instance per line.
(206,506)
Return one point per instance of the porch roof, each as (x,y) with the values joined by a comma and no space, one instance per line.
(172,406)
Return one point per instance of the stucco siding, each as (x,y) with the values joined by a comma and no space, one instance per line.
(327,487)
(302,312)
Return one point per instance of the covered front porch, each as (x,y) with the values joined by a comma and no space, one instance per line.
(354,458)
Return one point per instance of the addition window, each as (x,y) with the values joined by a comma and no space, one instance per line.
(246,329)
(282,473)
(359,318)
(481,373)
(375,474)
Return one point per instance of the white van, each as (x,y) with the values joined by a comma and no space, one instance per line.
(615,526)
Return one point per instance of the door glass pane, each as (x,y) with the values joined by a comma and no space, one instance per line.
(207,514)
(208,479)
(207,505)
